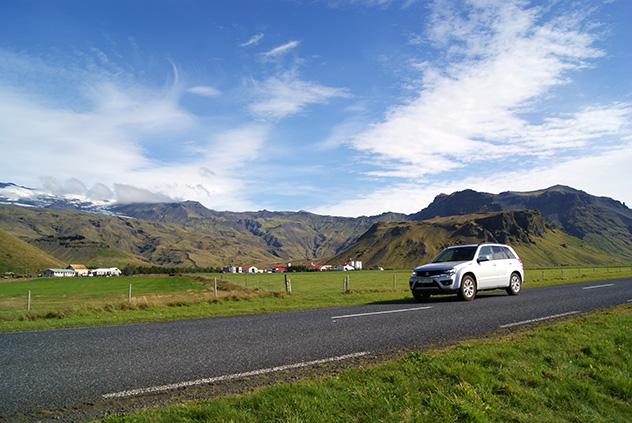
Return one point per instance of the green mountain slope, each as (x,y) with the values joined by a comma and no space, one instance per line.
(99,240)
(408,244)
(182,234)
(602,222)
(20,257)
(286,235)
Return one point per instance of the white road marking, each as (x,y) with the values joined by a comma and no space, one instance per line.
(553,316)
(401,310)
(598,286)
(210,380)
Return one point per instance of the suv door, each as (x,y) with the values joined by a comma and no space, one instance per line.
(486,270)
(503,266)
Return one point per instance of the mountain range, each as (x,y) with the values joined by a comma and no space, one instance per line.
(557,225)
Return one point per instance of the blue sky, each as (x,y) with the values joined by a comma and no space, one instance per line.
(343,107)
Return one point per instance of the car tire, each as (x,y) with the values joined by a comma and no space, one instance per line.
(420,296)
(467,291)
(515,284)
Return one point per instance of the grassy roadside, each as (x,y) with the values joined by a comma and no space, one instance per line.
(574,370)
(102,301)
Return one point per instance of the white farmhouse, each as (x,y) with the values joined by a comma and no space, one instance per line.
(251,269)
(79,269)
(58,273)
(109,271)
(344,267)
(356,264)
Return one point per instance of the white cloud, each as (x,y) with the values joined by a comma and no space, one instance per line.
(104,140)
(252,41)
(286,95)
(343,132)
(600,174)
(205,91)
(281,50)
(126,194)
(500,58)
(371,3)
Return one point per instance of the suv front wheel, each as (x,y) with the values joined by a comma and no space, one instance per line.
(515,284)
(467,291)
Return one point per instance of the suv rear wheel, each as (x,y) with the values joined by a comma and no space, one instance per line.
(467,291)
(515,284)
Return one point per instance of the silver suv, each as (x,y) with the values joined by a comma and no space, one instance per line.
(467,269)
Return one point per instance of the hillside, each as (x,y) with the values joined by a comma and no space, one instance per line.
(602,222)
(182,234)
(20,257)
(98,240)
(287,235)
(407,244)
(188,234)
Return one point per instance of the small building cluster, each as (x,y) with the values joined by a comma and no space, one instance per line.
(243,269)
(80,270)
(350,265)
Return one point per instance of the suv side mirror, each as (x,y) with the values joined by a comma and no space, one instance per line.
(483,258)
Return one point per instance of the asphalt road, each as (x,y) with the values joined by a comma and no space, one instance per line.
(65,368)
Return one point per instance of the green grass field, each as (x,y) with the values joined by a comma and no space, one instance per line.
(71,302)
(576,370)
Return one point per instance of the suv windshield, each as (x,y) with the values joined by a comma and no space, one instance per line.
(455,254)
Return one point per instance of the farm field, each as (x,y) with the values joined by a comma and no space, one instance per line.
(72,302)
(574,370)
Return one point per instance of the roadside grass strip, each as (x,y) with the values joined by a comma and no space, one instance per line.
(539,319)
(234,376)
(373,313)
(572,370)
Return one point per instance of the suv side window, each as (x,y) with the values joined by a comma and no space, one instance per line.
(509,253)
(499,253)
(486,251)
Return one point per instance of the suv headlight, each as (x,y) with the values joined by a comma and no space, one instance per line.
(413,274)
(451,272)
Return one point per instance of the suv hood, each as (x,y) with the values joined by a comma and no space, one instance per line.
(440,266)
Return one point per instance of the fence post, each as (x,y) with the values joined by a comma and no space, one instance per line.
(394,280)
(28,302)
(288,284)
(345,284)
(543,275)
(215,287)
(562,269)
(129,294)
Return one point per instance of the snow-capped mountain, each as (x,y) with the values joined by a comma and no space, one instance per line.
(19,195)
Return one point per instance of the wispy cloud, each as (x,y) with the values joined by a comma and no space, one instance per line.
(600,174)
(478,105)
(107,137)
(281,50)
(371,3)
(205,91)
(252,41)
(501,58)
(287,94)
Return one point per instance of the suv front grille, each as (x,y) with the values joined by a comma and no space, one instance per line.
(428,273)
